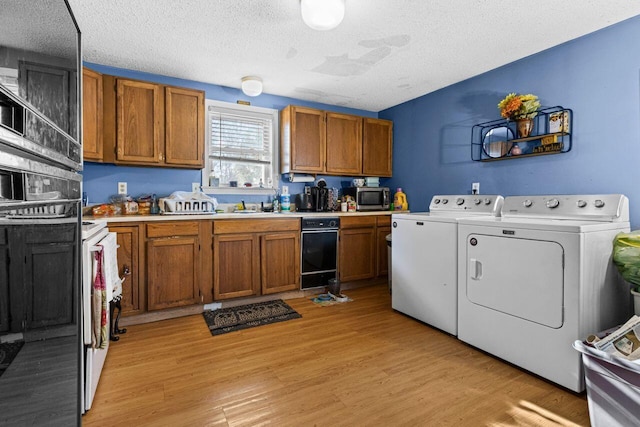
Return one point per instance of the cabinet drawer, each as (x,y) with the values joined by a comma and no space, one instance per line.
(170,229)
(226,226)
(383,221)
(357,221)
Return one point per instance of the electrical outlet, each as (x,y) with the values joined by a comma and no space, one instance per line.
(195,187)
(122,188)
(475,188)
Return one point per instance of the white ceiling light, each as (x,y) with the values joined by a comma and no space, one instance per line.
(251,85)
(322,14)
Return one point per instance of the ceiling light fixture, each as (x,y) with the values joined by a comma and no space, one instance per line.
(251,85)
(322,15)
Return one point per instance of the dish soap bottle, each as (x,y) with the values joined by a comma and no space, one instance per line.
(400,200)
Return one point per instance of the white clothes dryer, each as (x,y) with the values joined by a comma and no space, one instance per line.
(540,277)
(424,252)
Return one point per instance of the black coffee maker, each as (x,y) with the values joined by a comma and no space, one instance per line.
(305,201)
(320,196)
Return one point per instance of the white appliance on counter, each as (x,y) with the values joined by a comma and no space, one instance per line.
(540,277)
(96,237)
(425,257)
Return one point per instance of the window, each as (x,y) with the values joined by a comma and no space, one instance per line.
(241,147)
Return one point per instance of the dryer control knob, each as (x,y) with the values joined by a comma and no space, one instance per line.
(527,203)
(487,201)
(599,203)
(436,201)
(553,203)
(581,203)
(445,201)
(459,201)
(476,201)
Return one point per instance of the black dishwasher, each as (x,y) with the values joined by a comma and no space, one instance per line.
(319,251)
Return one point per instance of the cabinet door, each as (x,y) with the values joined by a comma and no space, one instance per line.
(128,238)
(308,140)
(236,261)
(377,147)
(382,267)
(139,123)
(184,133)
(357,248)
(92,95)
(344,144)
(173,272)
(50,290)
(280,262)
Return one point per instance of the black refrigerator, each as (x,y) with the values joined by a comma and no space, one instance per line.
(40,214)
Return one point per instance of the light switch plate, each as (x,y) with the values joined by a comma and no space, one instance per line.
(475,188)
(195,187)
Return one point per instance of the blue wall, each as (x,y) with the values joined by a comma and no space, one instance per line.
(597,76)
(100,180)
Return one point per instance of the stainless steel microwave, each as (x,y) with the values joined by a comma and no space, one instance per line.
(369,198)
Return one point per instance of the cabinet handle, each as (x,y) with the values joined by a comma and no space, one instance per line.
(126,271)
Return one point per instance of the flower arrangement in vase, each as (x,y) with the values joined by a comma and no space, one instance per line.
(521,109)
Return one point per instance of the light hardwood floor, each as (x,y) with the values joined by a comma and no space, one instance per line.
(354,364)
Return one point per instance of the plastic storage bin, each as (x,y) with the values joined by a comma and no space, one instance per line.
(613,388)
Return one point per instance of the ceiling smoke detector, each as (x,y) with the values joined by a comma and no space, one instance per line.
(322,15)
(251,85)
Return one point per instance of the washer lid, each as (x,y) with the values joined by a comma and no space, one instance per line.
(548,224)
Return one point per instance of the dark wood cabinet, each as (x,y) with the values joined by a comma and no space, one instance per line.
(184,127)
(129,267)
(303,136)
(383,228)
(362,247)
(236,263)
(92,106)
(280,262)
(173,260)
(39,275)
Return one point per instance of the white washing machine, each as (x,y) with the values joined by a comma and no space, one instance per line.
(424,252)
(540,277)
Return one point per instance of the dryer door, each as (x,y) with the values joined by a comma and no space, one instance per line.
(519,277)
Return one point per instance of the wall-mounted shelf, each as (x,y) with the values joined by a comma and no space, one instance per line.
(497,139)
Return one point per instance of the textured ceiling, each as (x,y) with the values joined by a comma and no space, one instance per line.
(385,52)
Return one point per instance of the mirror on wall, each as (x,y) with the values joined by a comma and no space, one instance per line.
(497,142)
(40,59)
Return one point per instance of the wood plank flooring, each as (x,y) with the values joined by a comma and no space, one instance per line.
(357,363)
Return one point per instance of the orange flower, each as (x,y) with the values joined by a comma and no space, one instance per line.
(511,107)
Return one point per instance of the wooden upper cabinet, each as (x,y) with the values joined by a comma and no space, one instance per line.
(315,141)
(377,147)
(184,134)
(303,139)
(139,121)
(344,144)
(92,95)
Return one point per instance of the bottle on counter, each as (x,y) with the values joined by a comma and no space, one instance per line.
(155,208)
(400,201)
(276,203)
(285,200)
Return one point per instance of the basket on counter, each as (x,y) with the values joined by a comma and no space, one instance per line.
(192,206)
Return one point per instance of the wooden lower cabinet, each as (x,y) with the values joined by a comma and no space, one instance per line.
(253,257)
(362,247)
(129,268)
(235,266)
(173,260)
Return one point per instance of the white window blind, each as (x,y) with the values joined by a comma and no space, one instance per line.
(241,145)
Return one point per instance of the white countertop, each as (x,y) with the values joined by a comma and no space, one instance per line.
(214,216)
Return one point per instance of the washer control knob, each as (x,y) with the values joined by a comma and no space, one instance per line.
(487,201)
(553,203)
(459,201)
(581,203)
(527,203)
(445,201)
(436,201)
(599,203)
(476,201)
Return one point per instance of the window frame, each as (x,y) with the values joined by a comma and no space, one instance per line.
(275,149)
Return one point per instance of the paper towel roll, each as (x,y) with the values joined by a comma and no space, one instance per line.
(301,178)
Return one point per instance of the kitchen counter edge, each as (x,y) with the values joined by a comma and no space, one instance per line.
(220,216)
